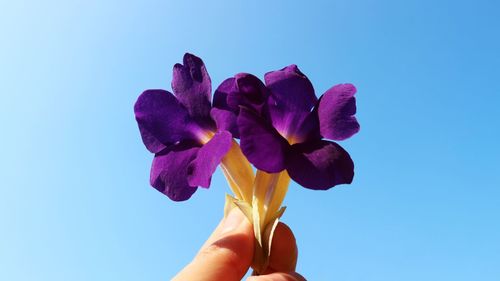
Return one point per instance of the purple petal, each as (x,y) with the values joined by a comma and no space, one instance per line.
(242,90)
(319,164)
(261,143)
(225,120)
(209,156)
(336,112)
(250,92)
(169,172)
(307,129)
(220,96)
(192,86)
(222,114)
(162,120)
(292,98)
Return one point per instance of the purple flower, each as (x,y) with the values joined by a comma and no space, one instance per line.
(283,126)
(188,137)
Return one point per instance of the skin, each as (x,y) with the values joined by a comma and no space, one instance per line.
(228,252)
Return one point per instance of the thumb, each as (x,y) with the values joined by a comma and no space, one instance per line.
(226,255)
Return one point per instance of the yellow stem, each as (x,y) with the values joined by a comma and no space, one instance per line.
(238,173)
(259,196)
(278,195)
(269,193)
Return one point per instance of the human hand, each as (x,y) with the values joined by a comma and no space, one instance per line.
(228,253)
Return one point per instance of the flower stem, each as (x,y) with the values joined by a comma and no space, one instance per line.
(259,197)
(268,194)
(238,173)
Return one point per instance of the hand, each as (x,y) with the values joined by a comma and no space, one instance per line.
(228,252)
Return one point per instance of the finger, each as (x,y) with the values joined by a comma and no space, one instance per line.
(283,250)
(214,236)
(226,255)
(278,276)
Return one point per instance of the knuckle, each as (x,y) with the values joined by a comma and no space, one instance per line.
(224,257)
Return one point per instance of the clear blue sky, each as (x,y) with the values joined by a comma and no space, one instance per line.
(75,203)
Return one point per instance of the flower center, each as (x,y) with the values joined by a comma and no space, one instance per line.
(205,136)
(290,138)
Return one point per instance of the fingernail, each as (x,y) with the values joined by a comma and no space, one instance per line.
(232,221)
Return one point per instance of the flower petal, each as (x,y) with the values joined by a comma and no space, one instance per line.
(249,92)
(225,120)
(162,120)
(292,98)
(222,114)
(169,171)
(261,143)
(306,130)
(319,164)
(336,112)
(192,86)
(209,156)
(220,96)
(242,90)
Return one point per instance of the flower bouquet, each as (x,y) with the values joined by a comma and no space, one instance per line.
(277,125)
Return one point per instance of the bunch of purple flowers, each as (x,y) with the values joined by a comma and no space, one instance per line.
(284,130)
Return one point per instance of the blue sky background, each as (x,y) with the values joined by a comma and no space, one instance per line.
(75,202)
